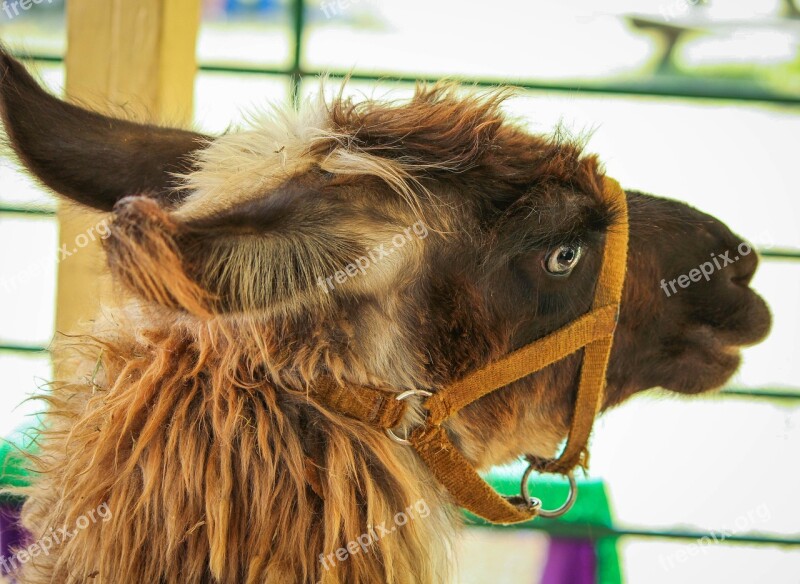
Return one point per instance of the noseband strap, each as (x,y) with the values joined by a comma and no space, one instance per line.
(594,332)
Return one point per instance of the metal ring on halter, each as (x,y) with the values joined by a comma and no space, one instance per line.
(571,498)
(401,397)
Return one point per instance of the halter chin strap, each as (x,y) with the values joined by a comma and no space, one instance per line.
(594,331)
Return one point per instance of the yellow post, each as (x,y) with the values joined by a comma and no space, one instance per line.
(132,58)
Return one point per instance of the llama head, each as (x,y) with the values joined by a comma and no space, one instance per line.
(402,245)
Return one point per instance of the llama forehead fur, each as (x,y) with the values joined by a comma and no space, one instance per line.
(247,164)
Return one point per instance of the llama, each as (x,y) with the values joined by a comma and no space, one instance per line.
(251,265)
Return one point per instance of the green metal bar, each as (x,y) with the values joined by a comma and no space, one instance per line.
(15,210)
(762,393)
(298,27)
(595,531)
(248,70)
(14,348)
(687,88)
(39,58)
(684,88)
(786,254)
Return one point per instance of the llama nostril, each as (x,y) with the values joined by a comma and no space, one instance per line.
(745,265)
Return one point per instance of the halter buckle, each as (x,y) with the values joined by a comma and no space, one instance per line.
(402,397)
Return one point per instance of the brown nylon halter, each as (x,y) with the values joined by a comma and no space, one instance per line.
(594,331)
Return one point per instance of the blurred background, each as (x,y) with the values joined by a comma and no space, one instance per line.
(694,100)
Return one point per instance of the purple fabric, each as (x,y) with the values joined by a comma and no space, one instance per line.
(570,561)
(11,533)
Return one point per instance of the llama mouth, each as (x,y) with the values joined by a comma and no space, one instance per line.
(743,323)
(710,354)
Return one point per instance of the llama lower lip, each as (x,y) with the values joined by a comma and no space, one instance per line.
(700,375)
(717,344)
(706,362)
(747,323)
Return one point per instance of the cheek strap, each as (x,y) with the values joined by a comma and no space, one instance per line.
(594,332)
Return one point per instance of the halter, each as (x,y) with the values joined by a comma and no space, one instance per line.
(594,332)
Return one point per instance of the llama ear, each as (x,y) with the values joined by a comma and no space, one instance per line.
(90,158)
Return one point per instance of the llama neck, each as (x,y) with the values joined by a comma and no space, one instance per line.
(185,425)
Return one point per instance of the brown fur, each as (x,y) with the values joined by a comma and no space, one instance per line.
(194,417)
(196,444)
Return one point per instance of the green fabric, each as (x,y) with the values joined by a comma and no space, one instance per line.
(14,467)
(591,509)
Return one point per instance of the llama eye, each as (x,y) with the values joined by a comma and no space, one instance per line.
(563,259)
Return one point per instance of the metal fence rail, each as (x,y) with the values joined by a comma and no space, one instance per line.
(595,532)
(685,89)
